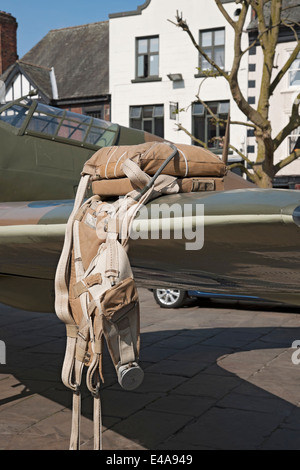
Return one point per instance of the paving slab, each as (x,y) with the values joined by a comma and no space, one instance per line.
(217,376)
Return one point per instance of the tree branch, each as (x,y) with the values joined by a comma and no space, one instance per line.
(284,69)
(246,159)
(267,37)
(286,161)
(253,43)
(225,14)
(236,92)
(259,36)
(261,20)
(223,121)
(181,128)
(252,114)
(268,43)
(241,166)
(240,123)
(293,123)
(217,119)
(183,25)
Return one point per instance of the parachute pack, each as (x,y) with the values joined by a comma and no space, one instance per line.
(95,292)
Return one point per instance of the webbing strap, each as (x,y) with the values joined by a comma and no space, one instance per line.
(72,368)
(112,259)
(92,373)
(68,364)
(76,409)
(136,175)
(83,285)
(61,288)
(97,423)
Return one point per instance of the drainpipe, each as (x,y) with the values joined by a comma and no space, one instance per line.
(53,84)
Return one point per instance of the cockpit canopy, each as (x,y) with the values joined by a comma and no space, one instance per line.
(38,119)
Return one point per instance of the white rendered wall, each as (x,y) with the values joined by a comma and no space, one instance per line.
(176,55)
(19,87)
(280,108)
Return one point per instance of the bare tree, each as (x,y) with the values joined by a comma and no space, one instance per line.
(271,15)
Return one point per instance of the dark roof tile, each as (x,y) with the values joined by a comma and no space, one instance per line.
(290,13)
(79,56)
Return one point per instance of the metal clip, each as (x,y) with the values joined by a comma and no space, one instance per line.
(96,392)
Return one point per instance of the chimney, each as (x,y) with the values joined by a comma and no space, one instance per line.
(8,40)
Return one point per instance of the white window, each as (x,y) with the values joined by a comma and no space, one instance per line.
(294,72)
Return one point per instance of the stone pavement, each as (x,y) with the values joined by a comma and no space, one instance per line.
(219,376)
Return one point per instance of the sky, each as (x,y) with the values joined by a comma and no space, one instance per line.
(36,18)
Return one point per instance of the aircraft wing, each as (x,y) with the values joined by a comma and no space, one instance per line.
(31,239)
(250,245)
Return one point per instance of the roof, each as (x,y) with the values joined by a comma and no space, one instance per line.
(39,76)
(290,13)
(79,56)
(7,73)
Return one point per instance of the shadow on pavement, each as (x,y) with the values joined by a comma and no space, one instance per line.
(206,387)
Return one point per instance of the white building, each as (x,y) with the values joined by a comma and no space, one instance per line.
(146,50)
(150,68)
(282,100)
(154,69)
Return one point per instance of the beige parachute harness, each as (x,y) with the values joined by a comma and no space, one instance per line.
(95,293)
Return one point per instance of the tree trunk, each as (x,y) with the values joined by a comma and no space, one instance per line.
(264,165)
(263,180)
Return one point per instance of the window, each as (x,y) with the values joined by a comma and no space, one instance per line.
(148,118)
(96,114)
(147,57)
(173,110)
(294,72)
(294,140)
(95,111)
(205,128)
(212,43)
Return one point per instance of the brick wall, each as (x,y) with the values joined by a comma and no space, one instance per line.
(8,40)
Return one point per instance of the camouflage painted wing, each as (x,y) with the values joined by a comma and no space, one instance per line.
(251,246)
(31,239)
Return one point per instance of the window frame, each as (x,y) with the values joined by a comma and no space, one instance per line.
(157,114)
(203,72)
(96,111)
(148,54)
(40,116)
(205,115)
(294,69)
(292,139)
